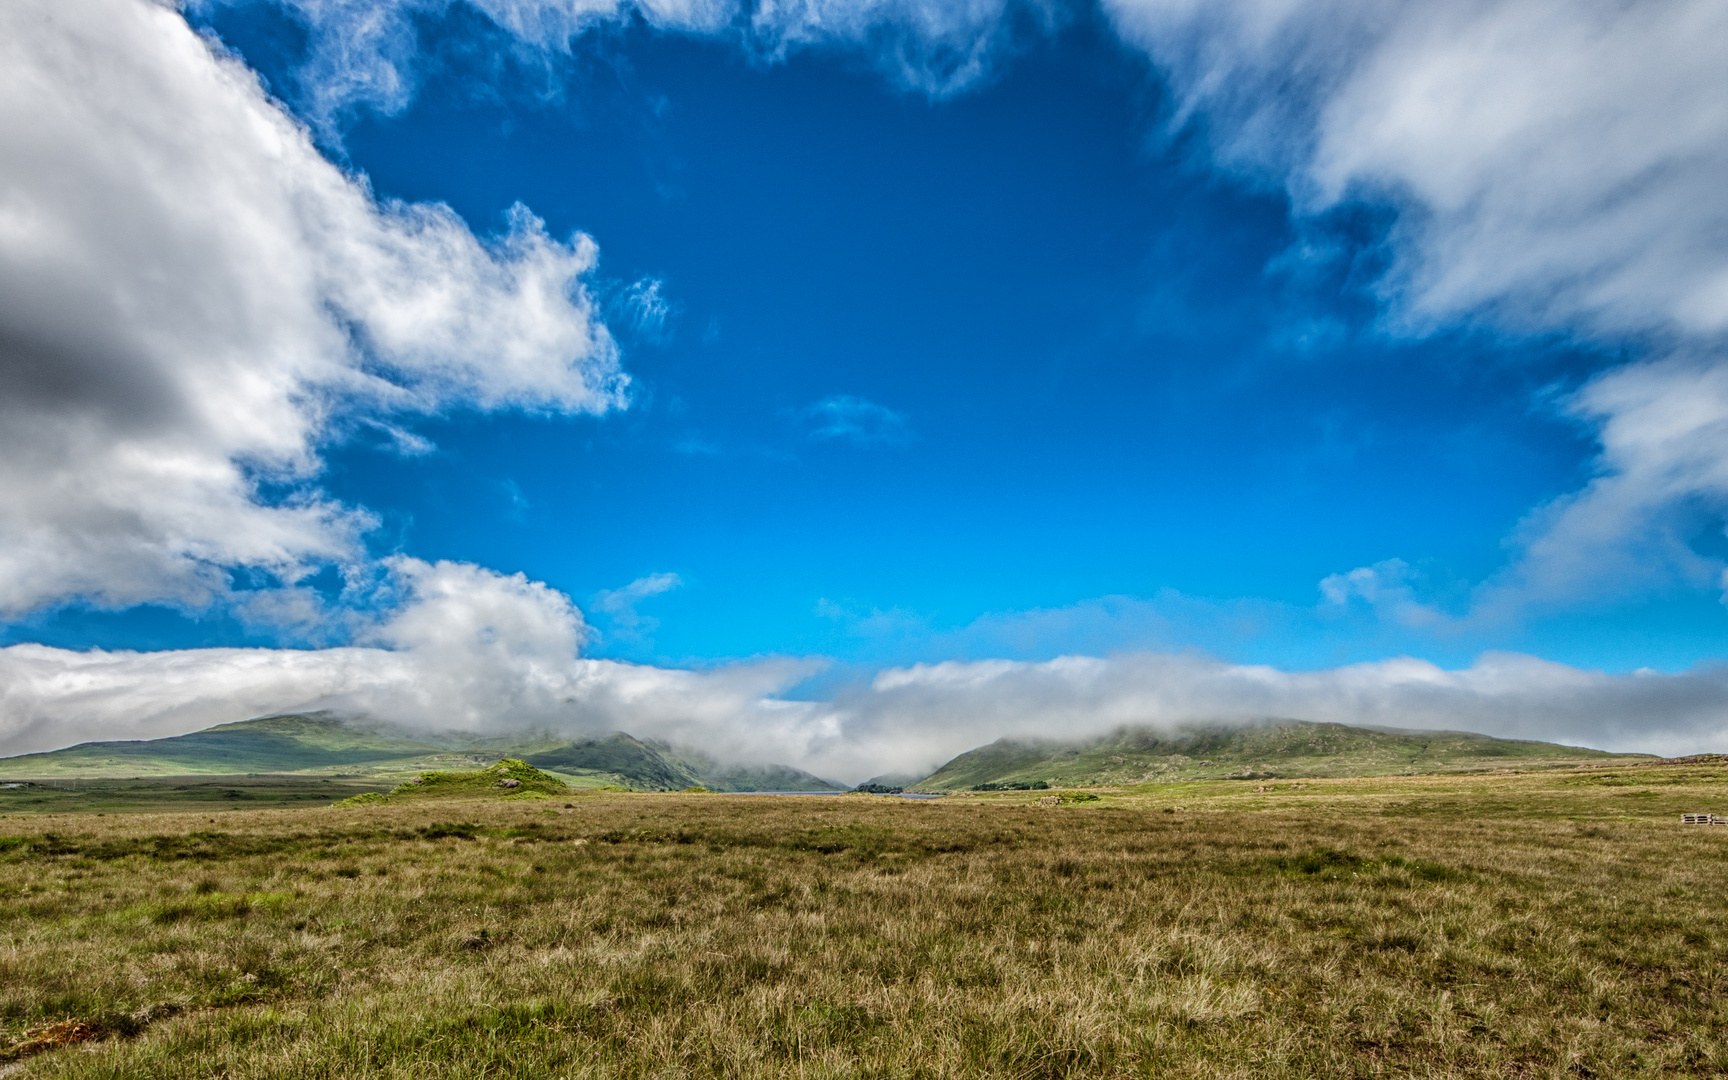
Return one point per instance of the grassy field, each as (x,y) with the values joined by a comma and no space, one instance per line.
(66,796)
(1558,924)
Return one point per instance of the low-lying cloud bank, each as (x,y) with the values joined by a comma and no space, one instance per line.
(469,649)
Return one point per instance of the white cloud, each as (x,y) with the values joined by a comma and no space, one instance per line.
(936,47)
(473,650)
(1557,166)
(620,604)
(461,648)
(1503,694)
(1663,428)
(647,311)
(365,53)
(1386,588)
(191,296)
(1559,160)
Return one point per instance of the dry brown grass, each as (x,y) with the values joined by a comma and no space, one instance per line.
(1559,925)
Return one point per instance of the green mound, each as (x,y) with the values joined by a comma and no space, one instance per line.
(1267,750)
(511,778)
(367,798)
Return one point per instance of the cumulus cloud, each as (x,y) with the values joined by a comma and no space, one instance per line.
(192,298)
(457,648)
(462,648)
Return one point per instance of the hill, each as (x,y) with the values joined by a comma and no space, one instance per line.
(311,743)
(1275,748)
(617,759)
(321,744)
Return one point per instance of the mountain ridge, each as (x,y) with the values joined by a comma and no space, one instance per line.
(324,744)
(1273,748)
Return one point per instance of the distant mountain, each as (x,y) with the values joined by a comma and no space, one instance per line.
(618,759)
(324,744)
(1275,748)
(765,778)
(892,780)
(316,742)
(656,766)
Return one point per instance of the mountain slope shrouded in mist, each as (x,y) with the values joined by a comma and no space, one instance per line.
(655,766)
(1276,748)
(323,744)
(618,756)
(311,743)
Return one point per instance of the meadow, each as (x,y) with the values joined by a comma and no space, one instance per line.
(1554,924)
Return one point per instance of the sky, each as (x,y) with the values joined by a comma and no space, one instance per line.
(855,381)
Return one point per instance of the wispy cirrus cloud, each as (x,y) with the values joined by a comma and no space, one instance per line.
(846,418)
(1555,168)
(619,605)
(644,308)
(366,54)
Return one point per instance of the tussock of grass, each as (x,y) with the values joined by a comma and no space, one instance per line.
(1444,927)
(365,798)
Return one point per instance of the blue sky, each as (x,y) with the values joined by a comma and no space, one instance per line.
(1109,370)
(1074,353)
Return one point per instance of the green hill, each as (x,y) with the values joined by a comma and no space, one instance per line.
(1275,748)
(320,744)
(313,743)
